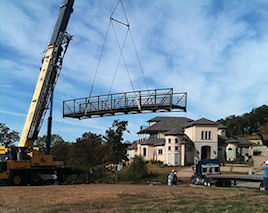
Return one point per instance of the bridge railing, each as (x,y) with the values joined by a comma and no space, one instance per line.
(127,102)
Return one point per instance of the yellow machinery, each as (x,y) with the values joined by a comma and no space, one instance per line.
(26,164)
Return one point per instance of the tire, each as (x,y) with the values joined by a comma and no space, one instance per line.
(194,181)
(17,179)
(35,180)
(261,187)
(62,177)
(207,183)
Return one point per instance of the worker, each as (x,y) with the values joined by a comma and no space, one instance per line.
(265,174)
(175,179)
(171,178)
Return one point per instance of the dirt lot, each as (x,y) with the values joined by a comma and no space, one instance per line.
(131,198)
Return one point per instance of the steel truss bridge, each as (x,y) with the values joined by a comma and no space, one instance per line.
(142,101)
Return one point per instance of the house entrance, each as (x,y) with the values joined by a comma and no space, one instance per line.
(205,152)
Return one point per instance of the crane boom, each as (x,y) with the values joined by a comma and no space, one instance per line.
(51,67)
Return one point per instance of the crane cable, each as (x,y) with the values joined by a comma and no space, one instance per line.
(94,79)
(119,59)
(137,55)
(121,56)
(132,85)
(136,52)
(121,49)
(116,68)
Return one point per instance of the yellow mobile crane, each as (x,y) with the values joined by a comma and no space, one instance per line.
(26,164)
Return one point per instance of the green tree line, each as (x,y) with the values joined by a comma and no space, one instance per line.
(90,151)
(248,123)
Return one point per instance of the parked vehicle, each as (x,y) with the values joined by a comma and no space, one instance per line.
(208,173)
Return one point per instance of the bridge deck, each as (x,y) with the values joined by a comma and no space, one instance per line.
(159,100)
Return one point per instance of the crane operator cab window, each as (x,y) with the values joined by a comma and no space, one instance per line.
(3,167)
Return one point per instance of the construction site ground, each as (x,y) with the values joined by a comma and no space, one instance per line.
(131,198)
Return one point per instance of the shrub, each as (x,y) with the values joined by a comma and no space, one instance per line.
(138,169)
(136,172)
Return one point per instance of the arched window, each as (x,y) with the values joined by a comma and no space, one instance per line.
(144,152)
(169,140)
(209,135)
(206,135)
(230,153)
(202,135)
(176,140)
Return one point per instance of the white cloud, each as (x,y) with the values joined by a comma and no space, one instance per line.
(216,51)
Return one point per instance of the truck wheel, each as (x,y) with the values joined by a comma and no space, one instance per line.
(35,180)
(261,187)
(194,180)
(17,179)
(207,182)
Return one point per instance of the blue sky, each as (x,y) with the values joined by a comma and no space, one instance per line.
(217,51)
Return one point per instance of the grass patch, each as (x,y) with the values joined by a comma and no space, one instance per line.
(127,196)
(156,173)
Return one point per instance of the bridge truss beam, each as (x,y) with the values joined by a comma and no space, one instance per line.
(142,101)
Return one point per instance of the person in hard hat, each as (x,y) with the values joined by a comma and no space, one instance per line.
(265,174)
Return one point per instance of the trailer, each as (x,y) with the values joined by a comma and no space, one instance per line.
(207,173)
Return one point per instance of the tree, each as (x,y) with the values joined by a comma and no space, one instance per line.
(55,138)
(249,123)
(114,138)
(61,150)
(87,152)
(8,137)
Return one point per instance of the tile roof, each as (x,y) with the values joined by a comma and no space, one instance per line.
(233,139)
(201,121)
(187,139)
(153,141)
(161,141)
(221,126)
(165,124)
(133,145)
(175,131)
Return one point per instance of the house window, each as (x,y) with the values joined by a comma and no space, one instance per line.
(206,135)
(144,152)
(176,140)
(160,151)
(176,148)
(169,140)
(169,148)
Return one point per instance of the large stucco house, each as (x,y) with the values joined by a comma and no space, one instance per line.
(183,141)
